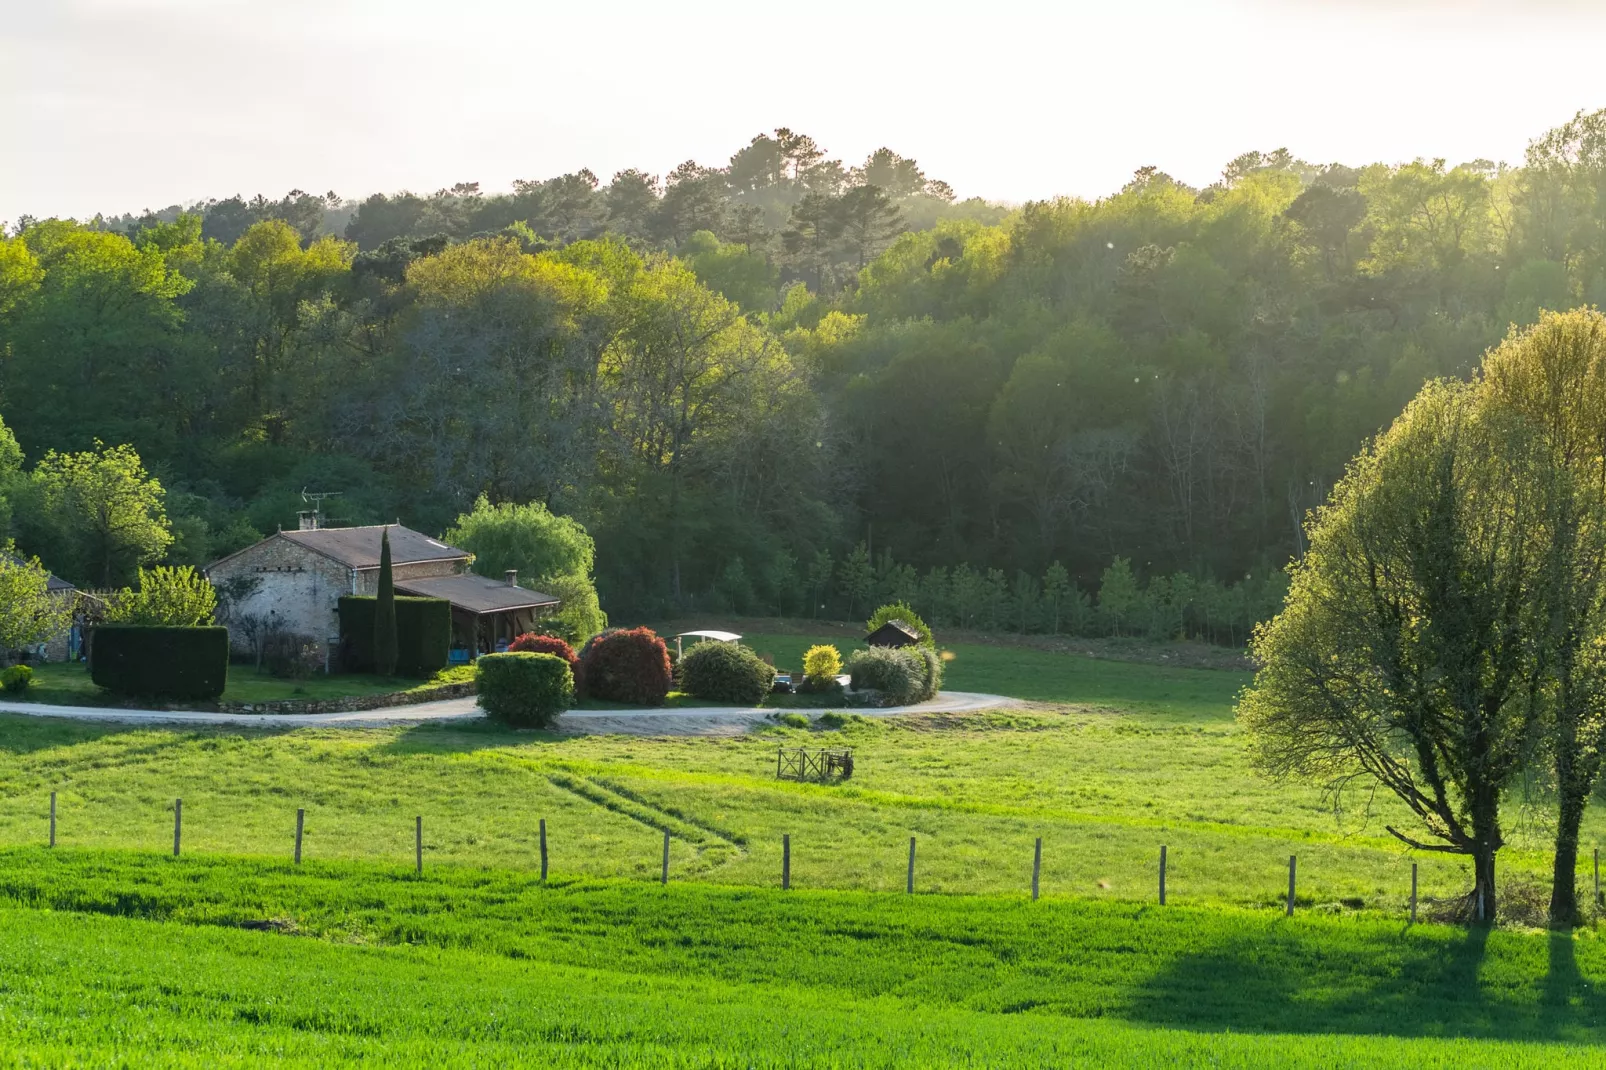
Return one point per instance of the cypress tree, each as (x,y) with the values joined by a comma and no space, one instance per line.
(385,613)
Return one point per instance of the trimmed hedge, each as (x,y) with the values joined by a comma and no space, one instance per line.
(551,644)
(630,665)
(524,689)
(423,634)
(16,679)
(725,672)
(160,662)
(906,674)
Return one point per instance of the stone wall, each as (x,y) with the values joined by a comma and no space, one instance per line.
(300,590)
(297,589)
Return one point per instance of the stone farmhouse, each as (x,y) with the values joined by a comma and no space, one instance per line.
(291,583)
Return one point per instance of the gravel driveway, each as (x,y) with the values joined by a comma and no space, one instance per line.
(679,721)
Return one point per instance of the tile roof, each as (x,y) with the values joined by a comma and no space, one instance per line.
(893,633)
(476,594)
(53,584)
(358,548)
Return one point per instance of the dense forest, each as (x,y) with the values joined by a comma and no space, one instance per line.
(786,385)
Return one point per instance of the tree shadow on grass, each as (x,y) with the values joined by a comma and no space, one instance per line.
(1416,985)
(1568,995)
(462,737)
(22,734)
(25,734)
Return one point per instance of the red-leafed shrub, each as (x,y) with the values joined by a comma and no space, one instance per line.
(627,666)
(550,644)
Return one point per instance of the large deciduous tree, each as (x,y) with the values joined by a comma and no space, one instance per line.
(94,347)
(494,385)
(99,514)
(1554,377)
(1407,643)
(551,553)
(11,477)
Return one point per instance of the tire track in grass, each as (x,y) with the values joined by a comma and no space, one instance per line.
(735,839)
(712,848)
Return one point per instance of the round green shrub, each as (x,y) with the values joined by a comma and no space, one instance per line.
(930,671)
(16,679)
(900,611)
(524,689)
(630,665)
(725,672)
(903,675)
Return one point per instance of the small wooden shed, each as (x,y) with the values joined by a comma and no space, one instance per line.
(894,633)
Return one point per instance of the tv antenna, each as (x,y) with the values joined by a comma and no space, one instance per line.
(312,519)
(317,498)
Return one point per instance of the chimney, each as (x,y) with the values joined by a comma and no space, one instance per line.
(512,577)
(309,519)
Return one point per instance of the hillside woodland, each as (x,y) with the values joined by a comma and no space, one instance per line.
(785,385)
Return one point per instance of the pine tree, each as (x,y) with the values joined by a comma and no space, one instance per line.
(820,573)
(1120,597)
(857,579)
(385,613)
(1056,586)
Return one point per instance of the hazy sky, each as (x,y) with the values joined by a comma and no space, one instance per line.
(119,105)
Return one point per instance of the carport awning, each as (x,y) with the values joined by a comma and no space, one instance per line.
(476,594)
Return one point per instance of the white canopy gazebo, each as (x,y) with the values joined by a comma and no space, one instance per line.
(714,636)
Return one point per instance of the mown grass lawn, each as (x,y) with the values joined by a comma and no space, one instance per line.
(68,684)
(1041,676)
(109,957)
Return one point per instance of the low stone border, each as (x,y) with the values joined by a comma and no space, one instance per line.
(349,705)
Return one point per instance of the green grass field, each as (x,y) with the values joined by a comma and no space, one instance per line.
(117,959)
(1112,760)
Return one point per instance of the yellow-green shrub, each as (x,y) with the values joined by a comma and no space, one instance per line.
(822,662)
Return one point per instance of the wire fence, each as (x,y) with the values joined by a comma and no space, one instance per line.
(1162,874)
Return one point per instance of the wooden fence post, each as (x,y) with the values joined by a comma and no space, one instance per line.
(786,861)
(178,823)
(665,878)
(1413,893)
(1037,866)
(418,844)
(909,885)
(301,820)
(1162,874)
(543,850)
(1598,901)
(778,751)
(53,823)
(1292,859)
